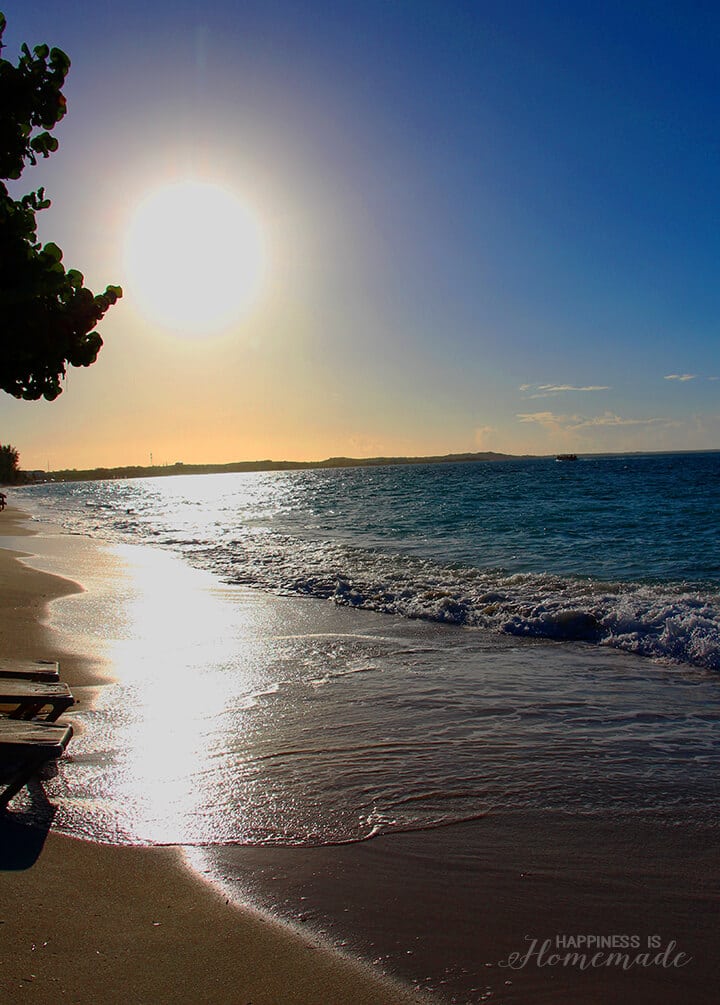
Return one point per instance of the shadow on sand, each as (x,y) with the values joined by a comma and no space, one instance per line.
(23,832)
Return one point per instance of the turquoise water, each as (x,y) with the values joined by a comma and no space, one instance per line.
(616,551)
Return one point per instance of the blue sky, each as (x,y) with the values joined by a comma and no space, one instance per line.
(489,226)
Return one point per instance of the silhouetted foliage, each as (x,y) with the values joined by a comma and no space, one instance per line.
(47,316)
(9,461)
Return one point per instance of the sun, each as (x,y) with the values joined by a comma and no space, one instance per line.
(194,257)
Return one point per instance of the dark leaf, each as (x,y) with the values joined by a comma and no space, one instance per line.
(48,317)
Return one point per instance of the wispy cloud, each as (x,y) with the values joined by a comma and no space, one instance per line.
(573,422)
(544,418)
(550,390)
(610,419)
(571,387)
(681,376)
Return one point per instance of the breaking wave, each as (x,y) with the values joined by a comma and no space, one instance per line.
(678,621)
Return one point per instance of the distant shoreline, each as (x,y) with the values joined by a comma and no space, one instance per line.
(234,467)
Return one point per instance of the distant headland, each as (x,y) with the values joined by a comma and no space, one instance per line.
(179,468)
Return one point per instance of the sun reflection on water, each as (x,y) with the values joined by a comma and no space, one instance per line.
(189,662)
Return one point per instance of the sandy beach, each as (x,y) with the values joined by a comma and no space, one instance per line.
(90,923)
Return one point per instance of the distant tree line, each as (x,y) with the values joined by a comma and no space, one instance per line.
(234,467)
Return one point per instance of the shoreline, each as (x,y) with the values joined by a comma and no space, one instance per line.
(105,923)
(441,908)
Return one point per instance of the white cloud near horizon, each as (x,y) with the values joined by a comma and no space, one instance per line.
(681,376)
(549,390)
(573,422)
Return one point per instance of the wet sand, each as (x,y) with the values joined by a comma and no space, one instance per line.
(95,924)
(442,909)
(447,908)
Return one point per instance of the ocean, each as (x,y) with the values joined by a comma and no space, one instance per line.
(362,653)
(620,551)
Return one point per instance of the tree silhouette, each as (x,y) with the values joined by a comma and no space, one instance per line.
(9,460)
(47,316)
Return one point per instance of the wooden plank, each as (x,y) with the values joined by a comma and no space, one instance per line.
(24,748)
(17,737)
(14,689)
(39,670)
(26,699)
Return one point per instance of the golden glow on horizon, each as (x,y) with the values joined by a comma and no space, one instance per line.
(194,257)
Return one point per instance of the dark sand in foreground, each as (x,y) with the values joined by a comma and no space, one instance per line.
(452,905)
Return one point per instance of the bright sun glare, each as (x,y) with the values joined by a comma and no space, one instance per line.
(194,257)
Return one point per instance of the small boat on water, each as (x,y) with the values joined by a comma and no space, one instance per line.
(565,457)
